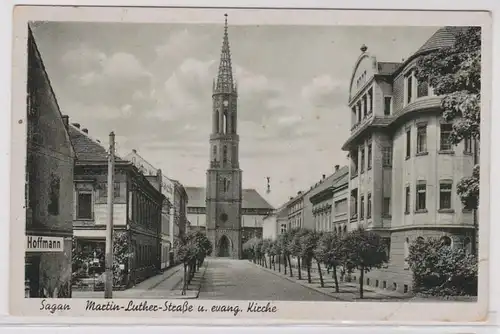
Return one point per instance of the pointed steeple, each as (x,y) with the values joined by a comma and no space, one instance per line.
(225,76)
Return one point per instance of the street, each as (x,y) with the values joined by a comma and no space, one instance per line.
(229,279)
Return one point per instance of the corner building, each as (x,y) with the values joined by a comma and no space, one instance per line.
(224,184)
(403,170)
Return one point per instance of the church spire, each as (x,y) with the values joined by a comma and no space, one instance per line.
(225,75)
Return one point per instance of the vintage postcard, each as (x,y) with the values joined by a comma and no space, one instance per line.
(258,165)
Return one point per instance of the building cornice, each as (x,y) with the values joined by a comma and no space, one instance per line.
(425,104)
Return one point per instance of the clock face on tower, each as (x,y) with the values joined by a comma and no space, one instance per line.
(226,103)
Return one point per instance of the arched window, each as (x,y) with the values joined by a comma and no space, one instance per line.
(224,123)
(467,245)
(446,241)
(224,154)
(233,122)
(214,151)
(216,121)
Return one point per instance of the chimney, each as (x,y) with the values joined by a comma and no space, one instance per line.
(158,174)
(324,176)
(337,168)
(65,119)
(76,125)
(134,150)
(299,193)
(85,131)
(291,198)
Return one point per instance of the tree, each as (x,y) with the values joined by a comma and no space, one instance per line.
(455,72)
(308,242)
(249,249)
(294,247)
(441,270)
(121,254)
(283,240)
(329,250)
(364,251)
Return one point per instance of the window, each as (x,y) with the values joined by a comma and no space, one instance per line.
(84,206)
(224,154)
(445,195)
(116,190)
(224,123)
(214,152)
(354,164)
(103,190)
(340,207)
(445,144)
(407,201)
(409,87)
(365,106)
(446,241)
(362,207)
(354,203)
(369,206)
(386,206)
(421,192)
(369,155)
(362,167)
(422,138)
(468,145)
(359,111)
(387,105)
(53,207)
(422,88)
(467,245)
(387,156)
(408,143)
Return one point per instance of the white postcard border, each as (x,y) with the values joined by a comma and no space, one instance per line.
(288,311)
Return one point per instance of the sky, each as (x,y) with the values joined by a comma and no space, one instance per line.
(152,84)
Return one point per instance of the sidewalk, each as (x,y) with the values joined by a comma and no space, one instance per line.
(158,286)
(347,291)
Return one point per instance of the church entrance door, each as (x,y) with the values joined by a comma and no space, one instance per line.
(224,246)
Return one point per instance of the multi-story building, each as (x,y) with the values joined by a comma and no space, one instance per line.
(329,202)
(275,224)
(167,213)
(137,209)
(403,169)
(295,210)
(49,187)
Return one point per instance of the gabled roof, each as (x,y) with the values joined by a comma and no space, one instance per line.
(86,148)
(444,37)
(251,199)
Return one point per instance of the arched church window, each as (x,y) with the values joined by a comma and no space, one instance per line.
(224,123)
(224,154)
(214,150)
(233,122)
(216,121)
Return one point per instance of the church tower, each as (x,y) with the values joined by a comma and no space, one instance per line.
(223,197)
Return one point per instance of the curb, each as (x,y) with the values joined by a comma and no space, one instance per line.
(291,279)
(197,288)
(166,278)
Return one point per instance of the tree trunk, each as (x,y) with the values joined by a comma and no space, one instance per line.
(320,274)
(279,263)
(336,280)
(290,265)
(265,261)
(299,269)
(184,284)
(285,263)
(361,279)
(308,266)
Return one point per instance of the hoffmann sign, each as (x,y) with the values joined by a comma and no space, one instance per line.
(36,243)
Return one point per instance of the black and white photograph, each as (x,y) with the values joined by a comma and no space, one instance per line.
(220,161)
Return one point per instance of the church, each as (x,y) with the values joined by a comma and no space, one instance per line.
(227,213)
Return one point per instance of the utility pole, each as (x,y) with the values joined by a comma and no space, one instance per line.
(108,287)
